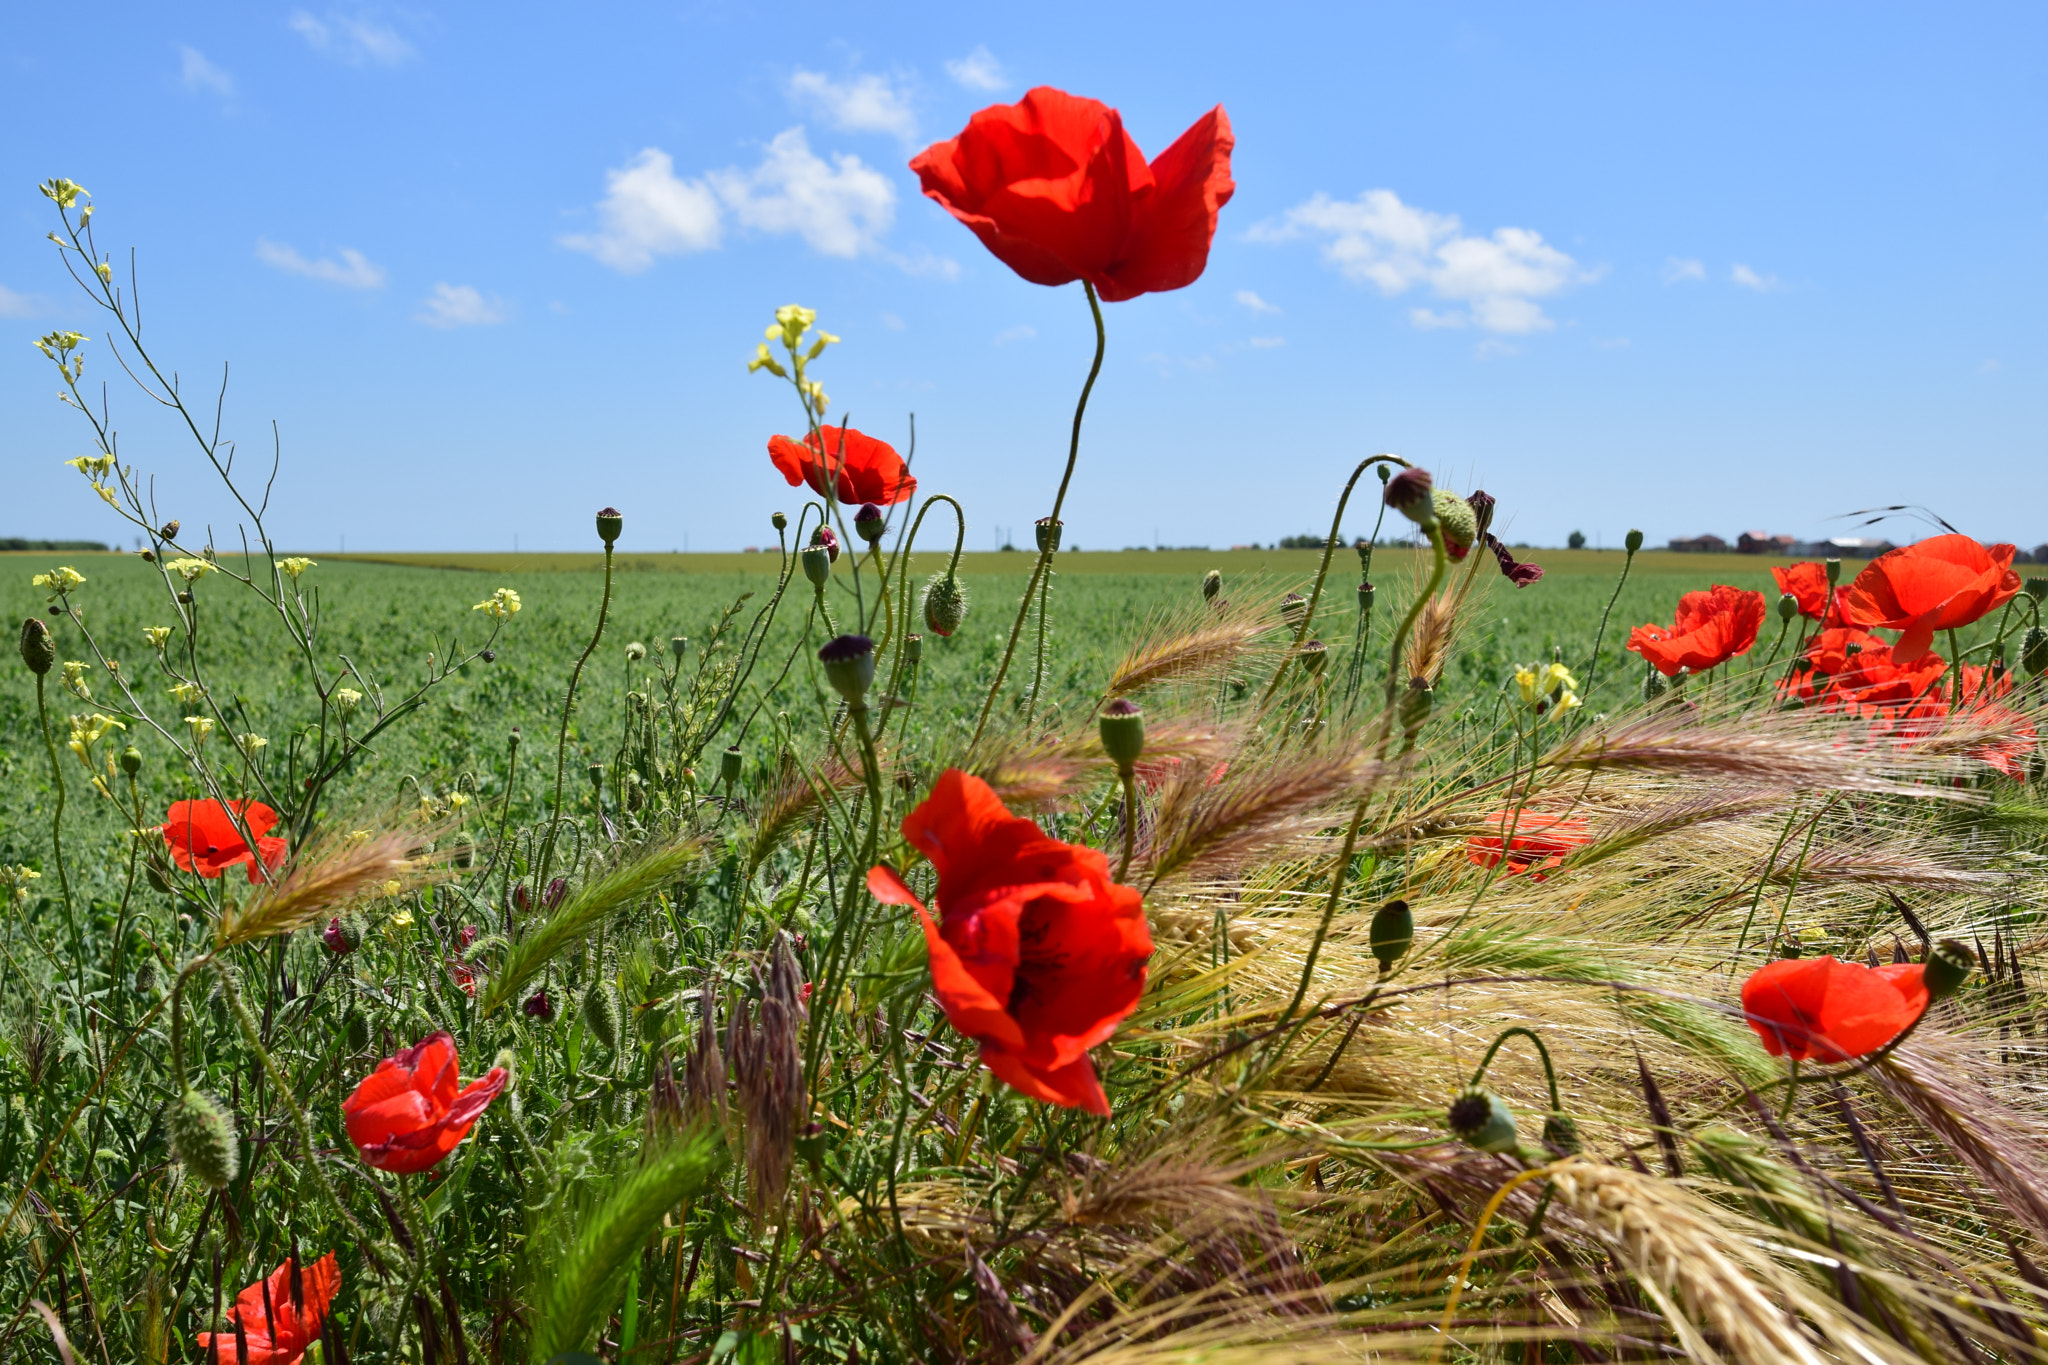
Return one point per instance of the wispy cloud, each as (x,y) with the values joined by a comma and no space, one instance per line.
(1255,303)
(1266,343)
(1680,269)
(199,76)
(979,70)
(461,305)
(353,271)
(1376,239)
(352,39)
(13,305)
(863,104)
(647,211)
(1021,332)
(1750,279)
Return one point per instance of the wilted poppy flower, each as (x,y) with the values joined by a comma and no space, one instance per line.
(863,469)
(1056,188)
(276,1327)
(1038,954)
(204,838)
(1807,583)
(1832,1011)
(409,1112)
(1517,572)
(1538,841)
(1941,583)
(1711,628)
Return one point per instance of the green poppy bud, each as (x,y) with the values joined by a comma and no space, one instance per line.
(1481,1120)
(635,652)
(1948,967)
(729,765)
(1392,933)
(1788,607)
(1122,725)
(1048,533)
(678,646)
(462,848)
(2034,651)
(1456,522)
(945,604)
(1312,656)
(131,760)
(1633,541)
(203,1138)
(779,522)
(869,524)
(913,649)
(2037,588)
(596,771)
(1293,610)
(1834,568)
(850,667)
(609,524)
(1212,583)
(145,978)
(1365,596)
(1561,1135)
(38,650)
(601,1015)
(817,562)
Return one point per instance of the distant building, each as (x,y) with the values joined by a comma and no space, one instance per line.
(1763,543)
(2041,554)
(1843,547)
(1701,545)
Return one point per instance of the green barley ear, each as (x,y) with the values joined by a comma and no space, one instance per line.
(203,1137)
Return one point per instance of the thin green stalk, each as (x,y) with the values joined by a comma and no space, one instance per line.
(604,606)
(57,822)
(1129,779)
(1599,636)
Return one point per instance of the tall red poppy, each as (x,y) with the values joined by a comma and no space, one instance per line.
(1832,1011)
(1710,628)
(862,468)
(1538,841)
(1941,583)
(204,838)
(1854,671)
(1056,188)
(1038,955)
(277,1327)
(1808,584)
(409,1113)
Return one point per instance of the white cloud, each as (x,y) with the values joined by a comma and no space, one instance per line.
(1021,332)
(648,212)
(352,271)
(461,305)
(840,209)
(1494,347)
(1255,303)
(926,264)
(1267,343)
(13,305)
(1681,268)
(1749,279)
(354,40)
(1376,239)
(1429,319)
(892,322)
(979,70)
(865,104)
(198,74)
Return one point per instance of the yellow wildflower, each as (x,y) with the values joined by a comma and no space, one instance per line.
(74,679)
(202,726)
(191,570)
(156,635)
(59,580)
(500,605)
(294,565)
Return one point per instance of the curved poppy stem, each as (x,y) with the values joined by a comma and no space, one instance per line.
(903,553)
(57,822)
(1549,1071)
(1129,777)
(1044,555)
(1600,635)
(604,606)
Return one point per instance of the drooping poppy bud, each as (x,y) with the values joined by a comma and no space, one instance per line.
(779,522)
(38,650)
(1409,494)
(869,524)
(539,1006)
(729,765)
(1392,933)
(1482,1120)
(1456,522)
(131,760)
(2034,651)
(850,667)
(635,652)
(828,538)
(342,936)
(1047,532)
(945,603)
(1122,725)
(521,901)
(1561,1135)
(1212,583)
(1948,967)
(601,1014)
(203,1138)
(609,524)
(462,848)
(817,562)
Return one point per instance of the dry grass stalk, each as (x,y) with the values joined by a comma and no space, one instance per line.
(334,873)
(1660,821)
(1205,650)
(1755,756)
(2004,1148)
(1435,628)
(1203,829)
(1878,867)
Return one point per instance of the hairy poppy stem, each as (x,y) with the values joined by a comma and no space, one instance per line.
(1047,551)
(1600,635)
(57,823)
(1130,819)
(604,606)
(903,552)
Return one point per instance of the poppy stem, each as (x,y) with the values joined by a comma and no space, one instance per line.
(57,823)
(1549,1071)
(1129,777)
(1593,665)
(604,606)
(1050,547)
(902,560)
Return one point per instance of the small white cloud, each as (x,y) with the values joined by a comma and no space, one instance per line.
(13,305)
(353,40)
(1255,303)
(1678,269)
(198,74)
(1493,348)
(840,208)
(1376,239)
(892,322)
(865,104)
(352,271)
(648,212)
(926,264)
(1750,279)
(461,305)
(1266,343)
(1429,319)
(1017,333)
(979,70)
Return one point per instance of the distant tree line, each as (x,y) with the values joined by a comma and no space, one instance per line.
(19,543)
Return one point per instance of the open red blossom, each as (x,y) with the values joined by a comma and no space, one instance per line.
(1816,1007)
(1808,585)
(409,1112)
(1056,188)
(1854,671)
(203,836)
(1038,955)
(1538,841)
(1711,628)
(1941,583)
(862,468)
(2012,742)
(277,1330)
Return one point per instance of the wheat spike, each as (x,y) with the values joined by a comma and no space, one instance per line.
(1202,828)
(1757,757)
(1202,650)
(335,873)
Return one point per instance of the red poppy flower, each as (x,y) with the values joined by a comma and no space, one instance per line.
(1808,585)
(408,1113)
(1538,841)
(277,1329)
(863,468)
(1055,187)
(2014,743)
(1854,671)
(204,838)
(1038,955)
(1941,583)
(1833,1011)
(1711,628)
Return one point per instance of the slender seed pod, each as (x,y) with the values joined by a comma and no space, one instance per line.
(203,1138)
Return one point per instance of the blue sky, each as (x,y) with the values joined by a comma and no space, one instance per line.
(1691,268)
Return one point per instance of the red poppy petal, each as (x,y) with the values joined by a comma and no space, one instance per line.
(1177,221)
(972,1007)
(476,1097)
(1083,972)
(1074,1085)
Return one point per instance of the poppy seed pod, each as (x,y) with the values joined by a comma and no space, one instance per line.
(2037,588)
(203,1138)
(913,649)
(850,667)
(1834,568)
(1632,542)
(868,523)
(817,562)
(2034,651)
(1122,725)
(38,650)
(1409,494)
(1312,656)
(1047,532)
(1481,1120)
(1456,521)
(1948,967)
(779,521)
(1788,607)
(1392,933)
(729,765)
(1561,1135)
(1365,593)
(609,524)
(1293,609)
(679,645)
(131,760)
(945,603)
(1212,583)
(463,848)
(601,1014)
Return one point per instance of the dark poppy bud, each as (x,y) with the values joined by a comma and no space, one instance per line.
(1048,533)
(1392,933)
(342,937)
(1788,607)
(850,667)
(2037,588)
(678,645)
(1561,1135)
(1312,656)
(729,765)
(609,524)
(1948,967)
(828,539)
(538,1006)
(1456,522)
(1293,610)
(1409,494)
(1212,583)
(1122,726)
(2034,651)
(1633,541)
(869,524)
(203,1138)
(38,650)
(1365,594)
(945,603)
(1480,1118)
(1482,503)
(131,760)
(913,649)
(557,889)
(520,900)
(779,522)
(601,1014)
(817,562)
